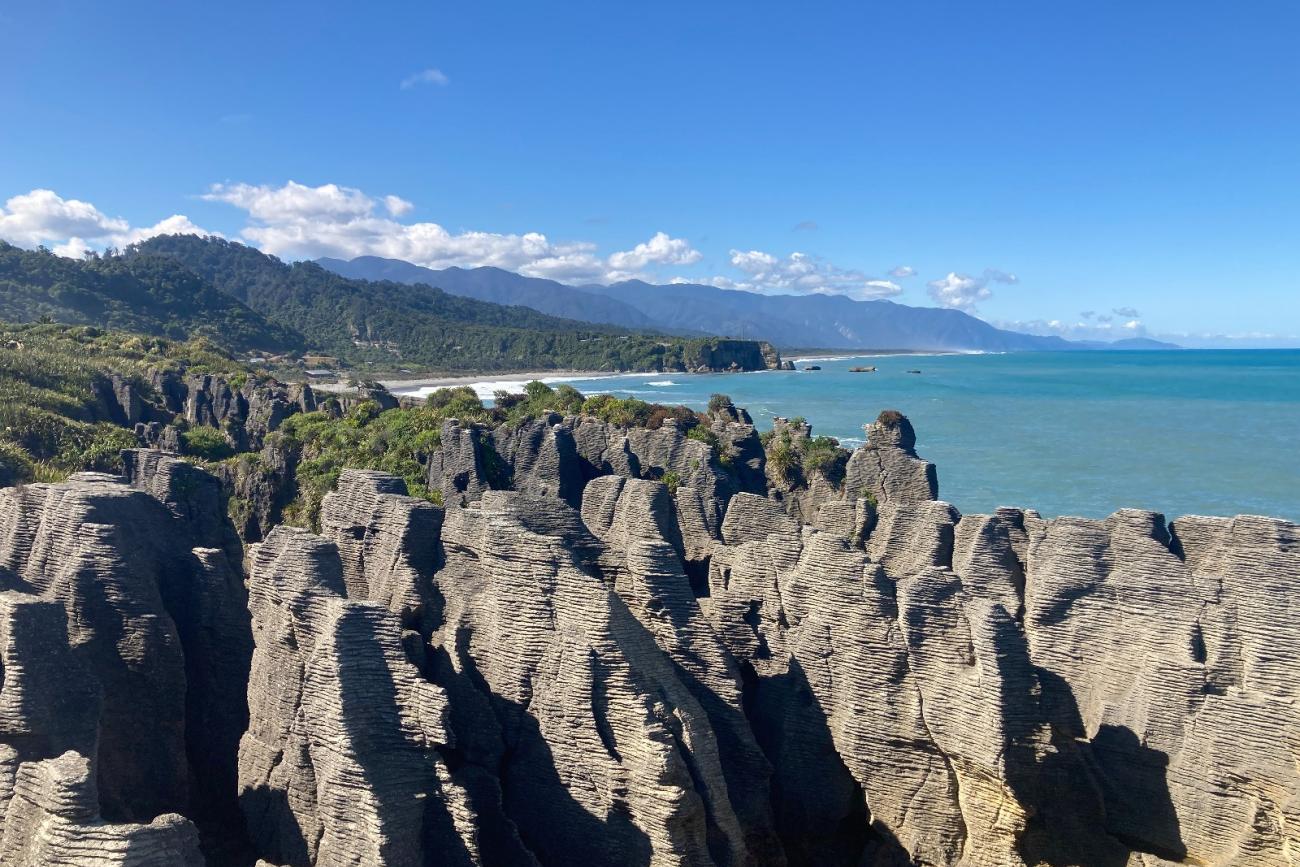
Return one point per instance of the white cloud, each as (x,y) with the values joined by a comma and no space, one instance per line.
(659,250)
(294,201)
(72,226)
(43,215)
(902,271)
(1126,312)
(426,76)
(800,274)
(297,221)
(1086,328)
(960,291)
(397,206)
(964,292)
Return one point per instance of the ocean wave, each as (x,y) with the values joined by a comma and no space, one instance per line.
(825,358)
(662,383)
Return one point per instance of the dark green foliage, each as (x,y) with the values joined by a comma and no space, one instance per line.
(890,418)
(618,411)
(794,458)
(459,403)
(54,415)
(539,399)
(207,444)
(720,403)
(824,455)
(398,441)
(782,459)
(391,324)
(148,294)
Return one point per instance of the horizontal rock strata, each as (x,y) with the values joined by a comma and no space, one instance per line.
(620,646)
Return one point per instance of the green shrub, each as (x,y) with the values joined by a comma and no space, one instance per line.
(538,399)
(206,443)
(620,412)
(672,481)
(398,441)
(704,435)
(782,460)
(15,466)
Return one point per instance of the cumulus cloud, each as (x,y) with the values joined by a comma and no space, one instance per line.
(1085,328)
(297,221)
(659,250)
(43,215)
(71,227)
(800,274)
(902,271)
(964,292)
(294,201)
(1126,312)
(426,76)
(397,206)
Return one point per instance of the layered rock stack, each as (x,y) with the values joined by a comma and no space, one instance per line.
(574,662)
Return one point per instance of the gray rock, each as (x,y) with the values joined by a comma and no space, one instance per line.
(53,819)
(887,466)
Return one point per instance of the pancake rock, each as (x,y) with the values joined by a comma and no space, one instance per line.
(627,646)
(887,466)
(340,763)
(53,818)
(124,642)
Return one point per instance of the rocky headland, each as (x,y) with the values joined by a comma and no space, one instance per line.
(616,645)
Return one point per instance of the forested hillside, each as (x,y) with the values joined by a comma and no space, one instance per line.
(385,322)
(144,293)
(181,287)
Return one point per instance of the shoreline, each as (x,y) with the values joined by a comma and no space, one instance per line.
(424,384)
(394,385)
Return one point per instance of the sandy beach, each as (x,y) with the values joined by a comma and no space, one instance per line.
(407,386)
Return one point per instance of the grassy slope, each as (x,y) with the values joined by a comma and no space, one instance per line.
(147,294)
(53,417)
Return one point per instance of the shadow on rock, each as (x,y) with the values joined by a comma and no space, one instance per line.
(821,811)
(525,812)
(1079,787)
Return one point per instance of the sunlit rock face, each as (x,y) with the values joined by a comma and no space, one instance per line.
(575,662)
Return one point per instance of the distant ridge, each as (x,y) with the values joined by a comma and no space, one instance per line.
(827,321)
(500,287)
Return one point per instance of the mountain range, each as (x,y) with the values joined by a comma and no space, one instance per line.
(183,286)
(789,321)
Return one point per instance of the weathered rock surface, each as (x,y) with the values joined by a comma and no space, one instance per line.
(593,669)
(340,764)
(126,641)
(53,819)
(887,466)
(605,755)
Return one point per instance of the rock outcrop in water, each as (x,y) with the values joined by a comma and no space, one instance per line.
(636,647)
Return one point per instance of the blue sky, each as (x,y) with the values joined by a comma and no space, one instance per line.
(1140,161)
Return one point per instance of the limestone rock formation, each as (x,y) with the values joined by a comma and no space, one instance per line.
(125,643)
(623,646)
(605,754)
(53,819)
(887,466)
(340,763)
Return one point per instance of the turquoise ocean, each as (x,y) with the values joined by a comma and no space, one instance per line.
(1066,433)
